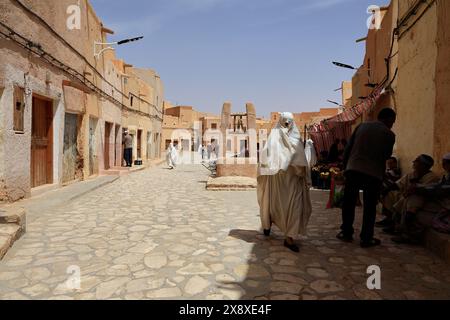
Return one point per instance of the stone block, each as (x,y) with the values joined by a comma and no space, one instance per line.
(231,184)
(237,170)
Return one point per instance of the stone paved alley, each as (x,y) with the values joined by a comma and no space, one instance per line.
(158,234)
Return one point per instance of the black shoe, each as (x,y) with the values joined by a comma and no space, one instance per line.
(391,231)
(292,247)
(371,243)
(384,224)
(341,236)
(267,233)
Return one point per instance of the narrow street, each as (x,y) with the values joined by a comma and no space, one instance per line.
(158,234)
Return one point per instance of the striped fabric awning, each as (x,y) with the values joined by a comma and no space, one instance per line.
(340,127)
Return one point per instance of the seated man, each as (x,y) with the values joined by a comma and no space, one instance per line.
(437,201)
(389,196)
(403,199)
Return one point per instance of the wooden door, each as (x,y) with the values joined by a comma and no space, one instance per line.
(108,128)
(41,143)
(139,144)
(70,152)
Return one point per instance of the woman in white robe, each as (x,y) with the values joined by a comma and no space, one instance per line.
(172,156)
(311,155)
(284,180)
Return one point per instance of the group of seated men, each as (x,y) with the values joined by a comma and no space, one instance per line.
(413,202)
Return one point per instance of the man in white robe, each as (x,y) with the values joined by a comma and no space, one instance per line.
(283,182)
(172,156)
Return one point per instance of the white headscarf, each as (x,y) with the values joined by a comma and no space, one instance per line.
(310,151)
(284,148)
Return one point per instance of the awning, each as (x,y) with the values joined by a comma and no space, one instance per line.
(340,127)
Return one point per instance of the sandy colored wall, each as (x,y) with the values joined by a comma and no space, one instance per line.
(416,92)
(19,68)
(442,122)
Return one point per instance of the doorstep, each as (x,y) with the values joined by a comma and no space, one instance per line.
(37,191)
(12,227)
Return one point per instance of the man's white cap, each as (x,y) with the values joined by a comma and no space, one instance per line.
(447,157)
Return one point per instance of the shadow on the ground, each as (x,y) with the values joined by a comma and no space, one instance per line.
(329,269)
(257,279)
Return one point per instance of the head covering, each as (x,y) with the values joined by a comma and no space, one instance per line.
(447,157)
(426,160)
(284,148)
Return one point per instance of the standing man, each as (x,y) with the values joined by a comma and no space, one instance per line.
(128,152)
(370,146)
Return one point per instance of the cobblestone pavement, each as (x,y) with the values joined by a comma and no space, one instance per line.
(158,234)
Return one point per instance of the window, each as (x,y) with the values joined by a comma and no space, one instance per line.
(19,110)
(214,126)
(131,100)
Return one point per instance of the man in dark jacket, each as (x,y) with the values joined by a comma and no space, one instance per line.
(370,146)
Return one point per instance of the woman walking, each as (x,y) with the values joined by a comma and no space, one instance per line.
(283,182)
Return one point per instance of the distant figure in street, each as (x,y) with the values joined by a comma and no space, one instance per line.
(341,149)
(283,182)
(311,154)
(215,149)
(333,155)
(365,157)
(172,156)
(209,150)
(202,151)
(128,149)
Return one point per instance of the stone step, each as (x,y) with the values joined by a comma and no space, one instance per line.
(9,233)
(13,215)
(231,184)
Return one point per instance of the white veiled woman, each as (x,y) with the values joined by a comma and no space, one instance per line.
(172,156)
(284,180)
(311,155)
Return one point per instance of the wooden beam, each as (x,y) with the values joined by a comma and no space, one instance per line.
(81,87)
(106,30)
(361,40)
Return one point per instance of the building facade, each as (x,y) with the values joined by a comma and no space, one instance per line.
(62,109)
(409,55)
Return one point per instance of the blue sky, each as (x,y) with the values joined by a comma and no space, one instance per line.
(274,53)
